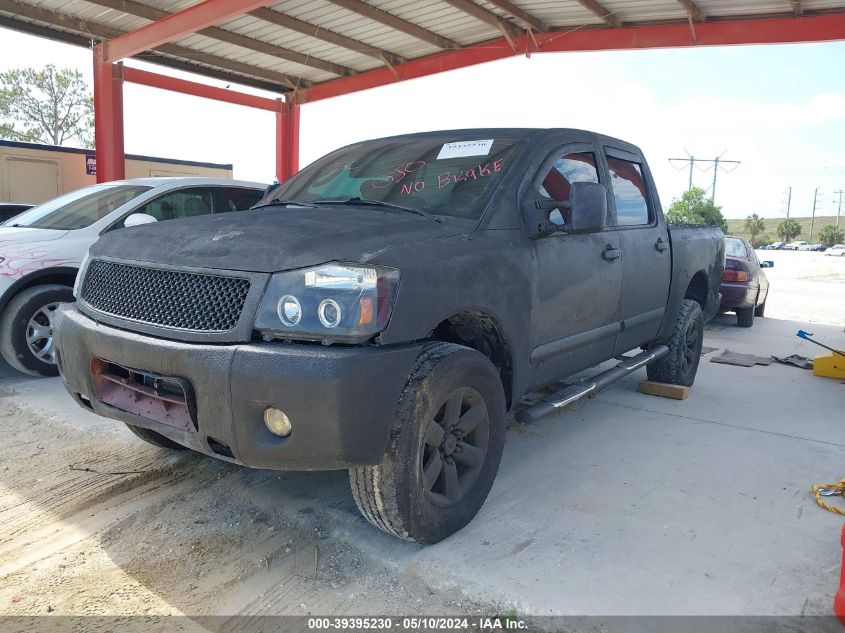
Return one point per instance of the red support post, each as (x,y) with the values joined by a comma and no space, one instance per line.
(108,118)
(287,139)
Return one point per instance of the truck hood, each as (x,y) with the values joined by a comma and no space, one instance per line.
(275,239)
(25,235)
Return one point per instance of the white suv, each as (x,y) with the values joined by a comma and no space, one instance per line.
(41,249)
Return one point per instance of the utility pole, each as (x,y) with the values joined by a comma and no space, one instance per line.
(788,203)
(839,209)
(813,219)
(692,160)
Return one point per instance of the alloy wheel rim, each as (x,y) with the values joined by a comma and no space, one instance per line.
(39,334)
(690,346)
(454,447)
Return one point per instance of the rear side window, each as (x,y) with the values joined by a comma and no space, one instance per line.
(629,191)
(239,199)
(735,248)
(557,185)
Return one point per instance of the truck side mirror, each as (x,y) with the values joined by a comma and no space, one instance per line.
(586,211)
(588,208)
(767,264)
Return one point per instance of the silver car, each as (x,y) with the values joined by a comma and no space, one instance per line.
(42,248)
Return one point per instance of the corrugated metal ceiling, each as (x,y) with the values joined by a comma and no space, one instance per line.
(295,43)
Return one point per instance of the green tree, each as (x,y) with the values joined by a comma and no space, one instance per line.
(831,235)
(694,208)
(788,230)
(755,225)
(46,106)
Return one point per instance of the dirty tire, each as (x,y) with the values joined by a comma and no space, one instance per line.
(393,495)
(15,323)
(156,439)
(745,317)
(680,365)
(760,310)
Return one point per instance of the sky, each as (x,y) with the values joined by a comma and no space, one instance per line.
(780,110)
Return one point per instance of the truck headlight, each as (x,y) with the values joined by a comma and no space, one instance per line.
(344,303)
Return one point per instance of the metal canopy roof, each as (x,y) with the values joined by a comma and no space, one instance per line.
(320,48)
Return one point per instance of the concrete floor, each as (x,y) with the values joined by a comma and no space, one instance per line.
(627,503)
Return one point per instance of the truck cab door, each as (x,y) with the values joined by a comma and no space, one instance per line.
(647,254)
(579,277)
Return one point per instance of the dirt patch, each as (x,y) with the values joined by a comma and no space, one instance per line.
(175,533)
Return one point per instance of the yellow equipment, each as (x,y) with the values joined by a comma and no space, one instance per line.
(830,366)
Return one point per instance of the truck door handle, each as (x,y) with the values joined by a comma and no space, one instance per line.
(660,245)
(609,253)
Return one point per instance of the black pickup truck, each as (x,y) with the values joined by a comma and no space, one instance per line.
(384,309)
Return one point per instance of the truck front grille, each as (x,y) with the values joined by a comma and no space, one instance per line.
(188,301)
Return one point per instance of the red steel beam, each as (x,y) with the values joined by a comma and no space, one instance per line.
(154,80)
(287,139)
(818,28)
(175,25)
(108,118)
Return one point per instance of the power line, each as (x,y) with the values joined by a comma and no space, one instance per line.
(692,160)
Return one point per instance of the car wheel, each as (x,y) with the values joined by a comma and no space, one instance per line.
(156,439)
(680,365)
(745,317)
(444,449)
(760,310)
(26,329)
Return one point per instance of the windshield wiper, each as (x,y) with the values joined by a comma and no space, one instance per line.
(380,203)
(284,203)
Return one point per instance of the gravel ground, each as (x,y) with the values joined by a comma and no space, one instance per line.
(94,522)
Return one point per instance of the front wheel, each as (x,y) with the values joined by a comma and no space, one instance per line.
(26,329)
(444,451)
(680,365)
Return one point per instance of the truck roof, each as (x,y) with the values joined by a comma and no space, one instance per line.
(529,134)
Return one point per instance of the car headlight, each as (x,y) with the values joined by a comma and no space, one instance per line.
(344,303)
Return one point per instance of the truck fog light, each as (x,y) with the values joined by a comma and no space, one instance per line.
(290,311)
(277,422)
(329,313)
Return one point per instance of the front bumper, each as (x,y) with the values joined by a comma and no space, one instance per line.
(341,400)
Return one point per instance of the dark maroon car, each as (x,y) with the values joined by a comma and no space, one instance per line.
(744,284)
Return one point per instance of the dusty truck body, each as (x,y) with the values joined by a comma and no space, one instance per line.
(387,306)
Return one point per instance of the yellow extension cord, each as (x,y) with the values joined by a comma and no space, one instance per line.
(835,488)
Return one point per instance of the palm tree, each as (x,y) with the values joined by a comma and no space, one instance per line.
(755,225)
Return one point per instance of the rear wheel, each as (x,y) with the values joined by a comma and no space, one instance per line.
(680,365)
(444,449)
(156,439)
(26,329)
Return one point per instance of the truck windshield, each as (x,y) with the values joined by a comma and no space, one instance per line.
(438,175)
(78,209)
